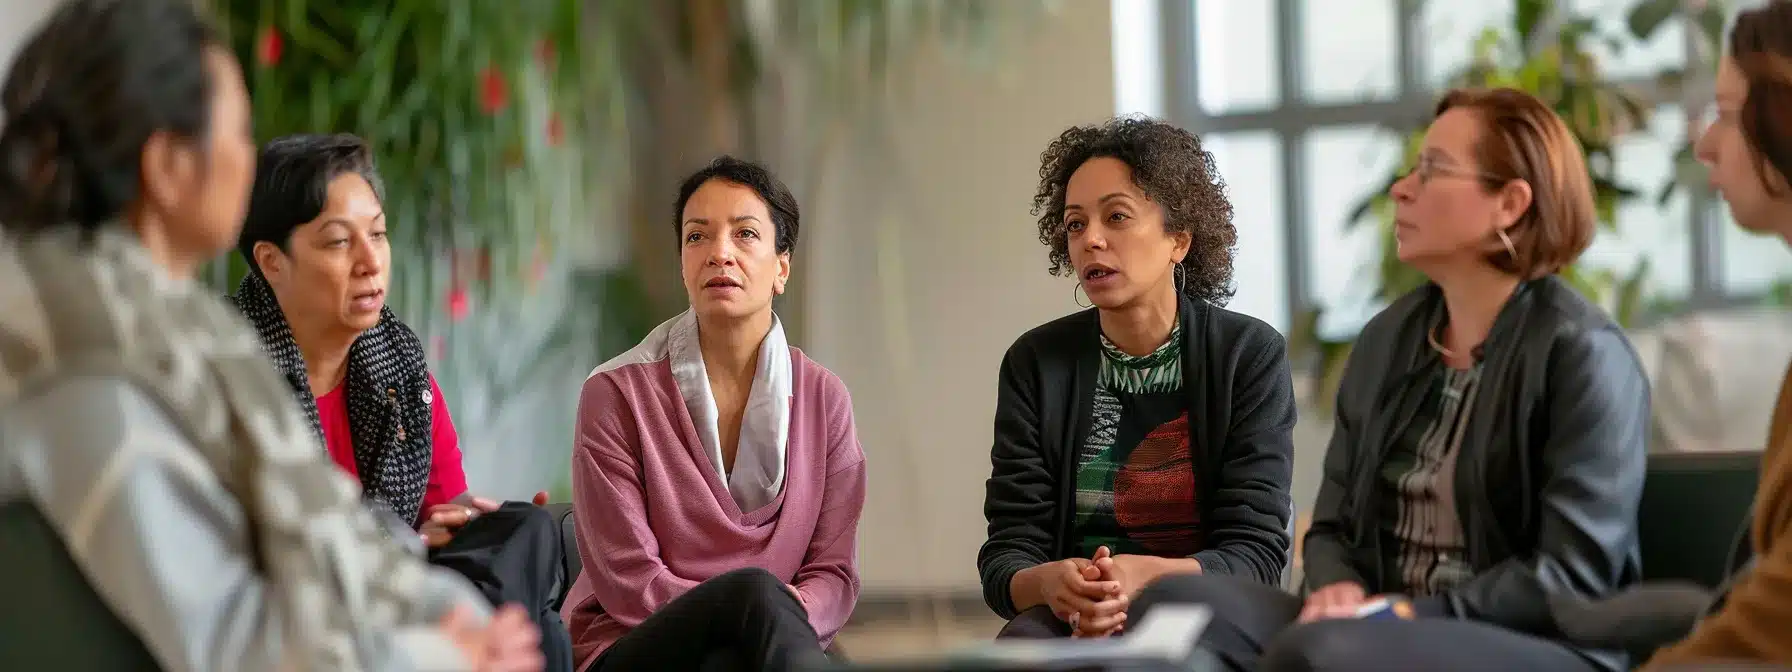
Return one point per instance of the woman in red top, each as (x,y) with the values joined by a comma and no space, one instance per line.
(315,240)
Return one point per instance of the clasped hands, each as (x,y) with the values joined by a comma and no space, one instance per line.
(442,521)
(1092,595)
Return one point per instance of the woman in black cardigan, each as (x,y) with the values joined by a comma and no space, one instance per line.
(1150,435)
(1489,452)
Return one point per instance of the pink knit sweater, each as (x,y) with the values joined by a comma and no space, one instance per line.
(655,519)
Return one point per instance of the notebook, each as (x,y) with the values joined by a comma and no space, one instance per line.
(1166,639)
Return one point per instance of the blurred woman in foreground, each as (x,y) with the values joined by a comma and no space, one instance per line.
(1748,148)
(139,417)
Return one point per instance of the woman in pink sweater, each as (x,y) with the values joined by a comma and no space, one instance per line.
(717,479)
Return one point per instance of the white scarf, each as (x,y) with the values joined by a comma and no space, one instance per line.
(758,474)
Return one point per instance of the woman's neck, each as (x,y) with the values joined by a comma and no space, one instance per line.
(731,348)
(162,248)
(326,356)
(1143,327)
(1473,296)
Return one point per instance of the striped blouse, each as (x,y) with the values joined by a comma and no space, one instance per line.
(1423,549)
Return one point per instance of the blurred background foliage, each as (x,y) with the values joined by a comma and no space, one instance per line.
(1547,50)
(530,149)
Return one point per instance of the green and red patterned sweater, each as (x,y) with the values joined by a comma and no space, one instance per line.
(1135,480)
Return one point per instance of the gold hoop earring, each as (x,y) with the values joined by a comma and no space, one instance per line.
(1507,241)
(1078,290)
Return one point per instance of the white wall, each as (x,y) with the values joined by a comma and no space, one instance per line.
(17,19)
(923,267)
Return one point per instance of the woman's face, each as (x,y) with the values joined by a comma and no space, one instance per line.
(1734,172)
(1115,235)
(1442,211)
(333,272)
(730,259)
(198,189)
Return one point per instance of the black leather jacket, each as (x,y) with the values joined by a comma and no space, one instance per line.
(1549,474)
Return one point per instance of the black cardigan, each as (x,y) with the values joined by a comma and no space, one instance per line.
(1549,475)
(1241,423)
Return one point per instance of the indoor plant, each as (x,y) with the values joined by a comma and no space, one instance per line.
(1545,52)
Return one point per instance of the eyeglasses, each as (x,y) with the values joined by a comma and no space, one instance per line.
(1428,167)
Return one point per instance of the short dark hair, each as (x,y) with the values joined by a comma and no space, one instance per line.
(786,219)
(1170,166)
(95,82)
(292,185)
(1761,45)
(1523,139)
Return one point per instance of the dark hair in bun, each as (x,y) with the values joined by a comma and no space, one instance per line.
(83,97)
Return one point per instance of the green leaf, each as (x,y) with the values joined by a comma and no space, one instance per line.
(1671,80)
(1527,18)
(1689,174)
(1630,294)
(1711,21)
(1647,16)
(1303,335)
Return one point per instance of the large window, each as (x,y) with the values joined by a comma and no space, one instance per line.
(1293,97)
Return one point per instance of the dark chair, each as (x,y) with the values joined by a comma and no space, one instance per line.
(1690,527)
(569,546)
(1693,510)
(52,619)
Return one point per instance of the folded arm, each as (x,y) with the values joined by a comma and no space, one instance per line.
(829,577)
(169,549)
(1594,462)
(1249,506)
(610,506)
(1019,498)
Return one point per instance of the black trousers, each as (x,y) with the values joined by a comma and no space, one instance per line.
(741,620)
(1037,622)
(512,555)
(1253,629)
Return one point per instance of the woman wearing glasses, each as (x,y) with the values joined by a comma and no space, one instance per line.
(1489,448)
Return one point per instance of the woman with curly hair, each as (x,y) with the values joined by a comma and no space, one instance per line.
(1489,450)
(1150,434)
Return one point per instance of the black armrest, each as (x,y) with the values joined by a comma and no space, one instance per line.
(52,619)
(569,545)
(1642,619)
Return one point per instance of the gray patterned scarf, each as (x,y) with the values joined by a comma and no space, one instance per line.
(387,385)
(78,307)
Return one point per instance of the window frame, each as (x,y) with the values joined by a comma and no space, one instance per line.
(1292,117)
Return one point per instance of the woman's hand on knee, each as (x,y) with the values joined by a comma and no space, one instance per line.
(1338,600)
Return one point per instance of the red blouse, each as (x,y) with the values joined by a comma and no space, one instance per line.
(447,479)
